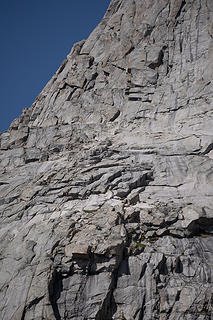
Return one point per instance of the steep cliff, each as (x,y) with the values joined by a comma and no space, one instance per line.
(106,181)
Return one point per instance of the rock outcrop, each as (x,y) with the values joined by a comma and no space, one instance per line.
(106,181)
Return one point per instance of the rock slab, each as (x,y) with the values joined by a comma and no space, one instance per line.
(106,181)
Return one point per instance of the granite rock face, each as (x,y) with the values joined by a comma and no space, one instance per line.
(106,182)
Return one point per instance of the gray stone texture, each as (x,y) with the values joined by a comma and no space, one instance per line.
(106,181)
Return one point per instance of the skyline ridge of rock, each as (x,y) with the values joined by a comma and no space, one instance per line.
(106,186)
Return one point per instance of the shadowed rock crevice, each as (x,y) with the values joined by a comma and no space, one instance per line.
(31,305)
(208,149)
(108,307)
(201,226)
(159,62)
(183,4)
(55,288)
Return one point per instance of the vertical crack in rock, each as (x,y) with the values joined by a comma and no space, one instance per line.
(108,307)
(183,4)
(55,288)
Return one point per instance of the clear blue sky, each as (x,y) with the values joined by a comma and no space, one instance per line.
(36,36)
